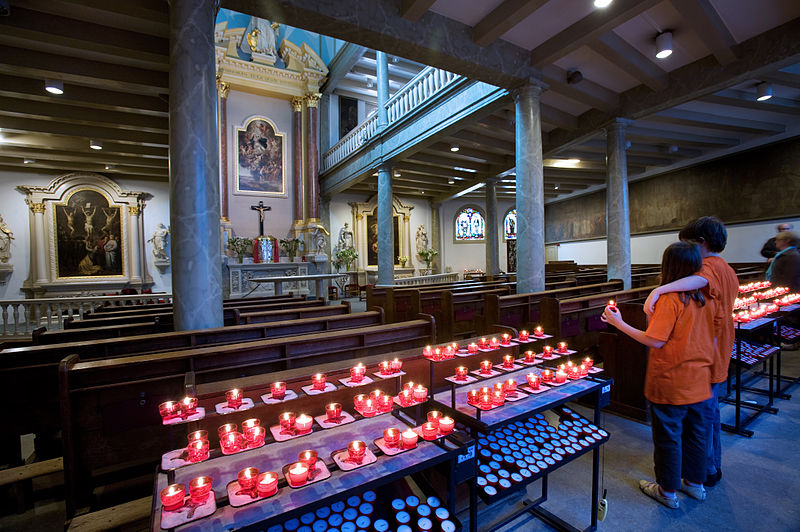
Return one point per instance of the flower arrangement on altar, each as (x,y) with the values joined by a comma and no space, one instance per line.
(240,245)
(346,256)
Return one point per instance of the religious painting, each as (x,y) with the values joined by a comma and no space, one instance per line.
(510,225)
(470,225)
(348,115)
(372,239)
(88,233)
(511,255)
(261,153)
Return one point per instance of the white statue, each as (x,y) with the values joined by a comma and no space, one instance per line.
(159,241)
(6,236)
(345,237)
(422,239)
(319,242)
(259,37)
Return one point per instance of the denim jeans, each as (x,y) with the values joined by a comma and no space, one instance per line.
(680,434)
(714,451)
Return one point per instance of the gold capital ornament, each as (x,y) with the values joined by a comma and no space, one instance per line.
(313,99)
(37,208)
(297,104)
(222,87)
(133,210)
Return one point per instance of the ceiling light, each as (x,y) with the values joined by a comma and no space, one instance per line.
(28,161)
(95,145)
(602,3)
(673,148)
(396,173)
(54,86)
(565,163)
(421,191)
(764,91)
(454,148)
(555,187)
(664,45)
(574,76)
(451,181)
(462,169)
(110,166)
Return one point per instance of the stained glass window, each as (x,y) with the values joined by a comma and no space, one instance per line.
(510,225)
(470,225)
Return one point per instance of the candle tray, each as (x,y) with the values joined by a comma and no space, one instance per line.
(268,400)
(493,373)
(200,414)
(390,375)
(377,413)
(439,435)
(391,451)
(280,436)
(245,447)
(188,512)
(344,463)
(321,473)
(175,459)
(533,338)
(548,357)
(350,384)
(344,419)
(519,396)
(535,361)
(469,379)
(412,403)
(542,388)
(237,499)
(329,387)
(515,367)
(566,353)
(465,353)
(223,408)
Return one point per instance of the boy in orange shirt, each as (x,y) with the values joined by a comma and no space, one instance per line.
(721,285)
(680,337)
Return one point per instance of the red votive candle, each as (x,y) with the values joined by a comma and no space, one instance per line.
(368,408)
(538,331)
(297,474)
(169,409)
(446,425)
(510,387)
(427,351)
(430,430)
(505,339)
(250,424)
(486,367)
(473,397)
(356,451)
(199,489)
(231,442)
(584,370)
(188,406)
(309,458)
(409,386)
(420,393)
(533,380)
(391,437)
(172,497)
(494,343)
(548,350)
(197,451)
(226,428)
(561,376)
(247,478)
(437,354)
(397,365)
(334,412)
(524,335)
(588,362)
(255,436)
(267,484)
(434,416)
(375,394)
(385,367)
(385,403)
(358,372)
(410,438)
(498,387)
(234,398)
(530,357)
(472,348)
(303,423)
(508,361)
(358,401)
(318,381)
(483,343)
(449,352)
(498,398)
(197,435)
(278,390)
(562,347)
(461,373)
(486,401)
(287,421)
(611,304)
(405,397)
(547,375)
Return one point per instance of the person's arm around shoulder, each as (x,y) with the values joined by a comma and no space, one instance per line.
(613,317)
(686,284)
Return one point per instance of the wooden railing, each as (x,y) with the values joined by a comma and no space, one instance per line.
(427,279)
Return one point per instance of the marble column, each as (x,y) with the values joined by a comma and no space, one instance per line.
(222,90)
(297,158)
(492,244)
(530,190)
(436,237)
(194,167)
(39,242)
(325,123)
(312,161)
(385,233)
(383,88)
(135,240)
(617,208)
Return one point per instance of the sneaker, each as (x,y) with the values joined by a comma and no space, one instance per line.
(651,489)
(695,492)
(713,479)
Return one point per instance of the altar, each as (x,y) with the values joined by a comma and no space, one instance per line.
(239,277)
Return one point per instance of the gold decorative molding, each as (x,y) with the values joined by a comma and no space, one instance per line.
(312,100)
(37,208)
(133,210)
(297,104)
(222,87)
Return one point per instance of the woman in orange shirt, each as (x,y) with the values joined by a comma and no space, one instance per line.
(681,340)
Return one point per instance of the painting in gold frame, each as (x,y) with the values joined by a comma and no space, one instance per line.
(260,158)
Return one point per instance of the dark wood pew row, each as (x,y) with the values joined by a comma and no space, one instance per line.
(110,309)
(386,296)
(109,408)
(460,314)
(430,301)
(166,318)
(225,305)
(522,311)
(246,316)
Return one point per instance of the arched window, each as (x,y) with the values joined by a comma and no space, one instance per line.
(470,225)
(510,225)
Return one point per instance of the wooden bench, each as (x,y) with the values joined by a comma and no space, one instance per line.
(225,305)
(145,307)
(460,314)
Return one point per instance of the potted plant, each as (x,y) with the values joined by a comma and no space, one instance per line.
(240,246)
(402,261)
(290,246)
(347,256)
(427,255)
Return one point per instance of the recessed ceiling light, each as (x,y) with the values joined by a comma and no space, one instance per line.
(54,86)
(451,181)
(602,3)
(462,169)
(28,161)
(565,163)
(397,173)
(454,148)
(110,166)
(764,91)
(421,191)
(95,145)
(664,45)
(555,187)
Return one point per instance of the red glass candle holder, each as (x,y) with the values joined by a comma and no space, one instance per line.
(449,352)
(267,484)
(385,367)
(368,407)
(197,451)
(427,351)
(547,375)
(357,373)
(530,357)
(234,398)
(356,451)
(588,362)
(498,387)
(486,401)
(247,478)
(548,350)
(231,442)
(446,425)
(287,421)
(197,435)
(508,361)
(505,339)
(409,386)
(472,348)
(524,335)
(409,438)
(611,304)
(538,331)
(385,403)
(498,398)
(562,347)
(200,489)
(297,474)
(188,406)
(437,354)
(255,436)
(309,458)
(172,497)
(434,416)
(169,409)
(485,390)
(533,380)
(561,376)
(303,424)
(397,365)
(483,343)
(391,437)
(473,397)
(574,372)
(250,424)
(318,381)
(420,393)
(430,430)
(278,390)
(406,398)
(358,401)
(486,367)
(510,387)
(226,428)
(494,343)
(334,412)
(375,394)
(584,370)
(461,373)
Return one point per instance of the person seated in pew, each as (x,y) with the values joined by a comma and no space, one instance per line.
(677,382)
(721,287)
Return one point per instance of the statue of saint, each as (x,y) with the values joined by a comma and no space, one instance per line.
(259,37)
(422,239)
(345,237)
(159,241)
(6,236)
(319,242)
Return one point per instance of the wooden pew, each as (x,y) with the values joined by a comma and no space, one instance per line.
(460,314)
(245,316)
(392,298)
(110,309)
(109,408)
(226,305)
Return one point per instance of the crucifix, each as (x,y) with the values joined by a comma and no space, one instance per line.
(260,208)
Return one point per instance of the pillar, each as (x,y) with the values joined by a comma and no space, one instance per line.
(530,190)
(436,237)
(39,242)
(617,208)
(312,161)
(492,245)
(135,240)
(194,167)
(222,91)
(297,157)
(383,88)
(325,123)
(385,233)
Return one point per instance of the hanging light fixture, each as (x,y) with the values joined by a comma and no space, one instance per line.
(454,148)
(95,145)
(763,91)
(664,45)
(54,86)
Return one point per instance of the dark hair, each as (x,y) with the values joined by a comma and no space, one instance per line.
(680,260)
(708,229)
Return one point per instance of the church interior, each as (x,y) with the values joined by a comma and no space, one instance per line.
(207,197)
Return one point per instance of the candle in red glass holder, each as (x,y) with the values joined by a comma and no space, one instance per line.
(420,393)
(461,373)
(397,365)
(472,348)
(169,409)
(231,442)
(498,398)
(498,387)
(385,403)
(226,428)
(255,436)
(267,484)
(278,390)
(405,397)
(197,450)
(483,343)
(588,362)
(562,347)
(385,367)
(358,401)
(530,357)
(375,394)
(524,335)
(538,331)
(562,367)
(446,425)
(430,430)
(247,478)
(409,386)
(334,412)
(485,389)
(297,474)
(356,451)
(574,372)
(437,354)
(473,397)
(391,437)
(547,350)
(172,497)
(611,305)
(368,408)
(199,489)
(303,423)
(533,380)
(505,339)
(427,351)
(494,343)
(508,361)
(318,381)
(287,421)
(410,438)
(486,367)
(584,370)
(234,398)
(358,372)
(486,401)
(449,352)
(561,376)
(434,416)
(197,435)
(250,424)
(510,387)
(188,406)
(547,375)
(309,458)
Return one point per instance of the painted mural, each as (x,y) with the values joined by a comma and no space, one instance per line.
(261,158)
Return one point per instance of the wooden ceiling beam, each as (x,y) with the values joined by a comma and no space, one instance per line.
(80,146)
(585,91)
(632,61)
(678,137)
(25,125)
(787,79)
(557,117)
(84,166)
(403,166)
(150,17)
(735,99)
(468,155)
(482,141)
(718,122)
(414,9)
(503,18)
(442,160)
(708,26)
(90,156)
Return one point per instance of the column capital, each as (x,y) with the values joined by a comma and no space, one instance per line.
(386,167)
(535,87)
(37,208)
(313,99)
(297,103)
(618,123)
(133,210)
(434,204)
(222,87)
